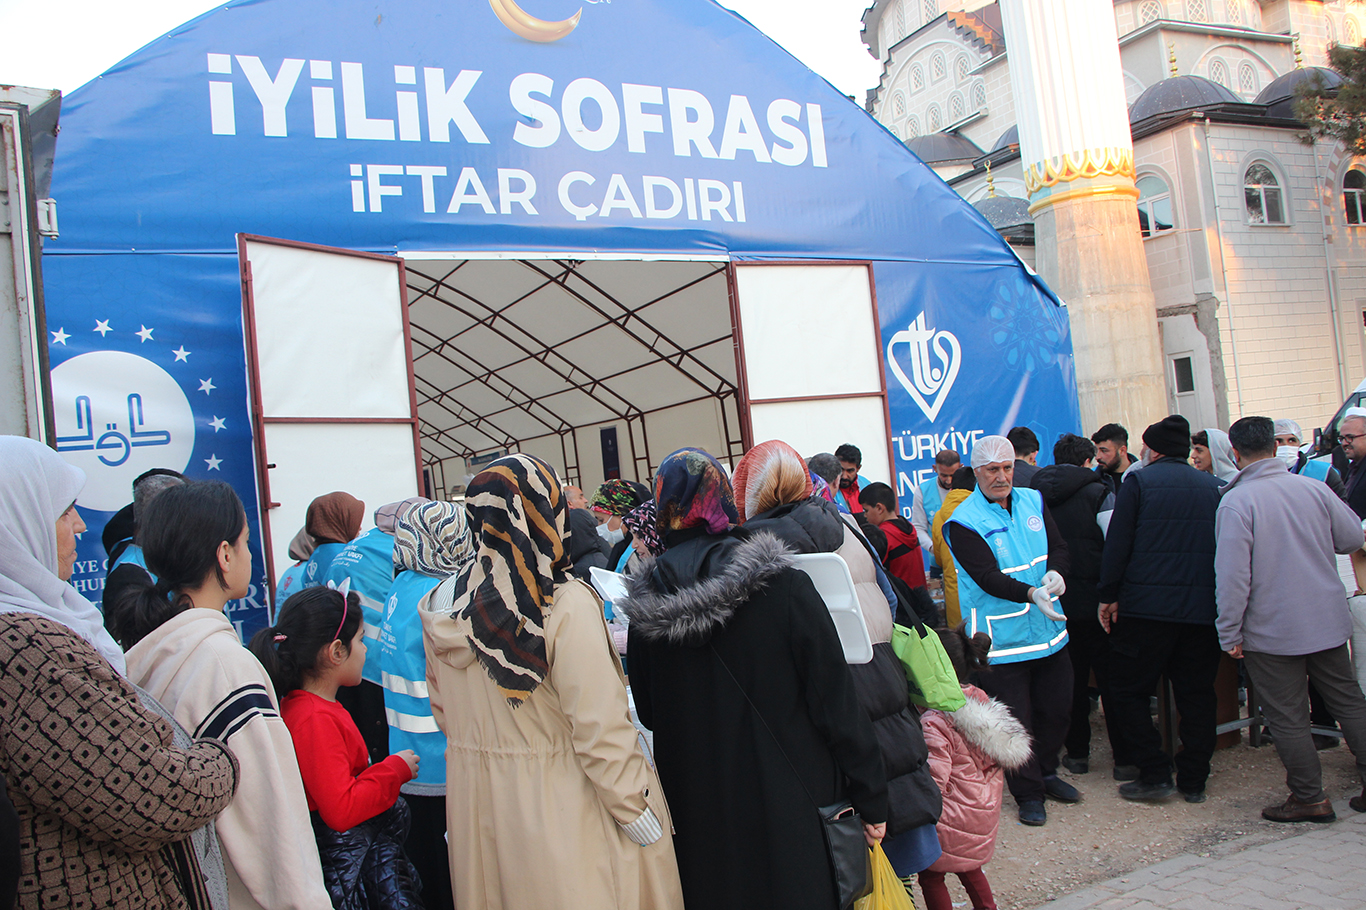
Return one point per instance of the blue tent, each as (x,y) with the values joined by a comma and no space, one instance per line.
(581,195)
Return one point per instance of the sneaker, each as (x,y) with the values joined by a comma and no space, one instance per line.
(1146,792)
(1126,772)
(1294,810)
(1061,790)
(1032,813)
(1193,796)
(1076,765)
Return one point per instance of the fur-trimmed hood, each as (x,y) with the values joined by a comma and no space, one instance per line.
(988,724)
(685,596)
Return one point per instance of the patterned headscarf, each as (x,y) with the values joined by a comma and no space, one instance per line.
(387,515)
(335,518)
(770,475)
(433,538)
(820,488)
(640,521)
(517,509)
(693,491)
(615,497)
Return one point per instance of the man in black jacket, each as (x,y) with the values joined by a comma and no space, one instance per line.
(1112,454)
(1352,435)
(1157,602)
(1081,506)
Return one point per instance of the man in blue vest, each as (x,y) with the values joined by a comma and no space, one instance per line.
(1011,561)
(1157,604)
(126,563)
(929,496)
(1288,437)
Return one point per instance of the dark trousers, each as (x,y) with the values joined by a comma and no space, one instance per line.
(1281,684)
(1141,652)
(1039,694)
(1088,647)
(426,848)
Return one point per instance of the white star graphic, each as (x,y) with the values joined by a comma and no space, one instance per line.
(213,461)
(60,336)
(181,354)
(217,423)
(206,385)
(102,326)
(145,334)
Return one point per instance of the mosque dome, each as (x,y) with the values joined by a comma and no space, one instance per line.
(943,148)
(1279,95)
(1008,138)
(1179,93)
(1004,212)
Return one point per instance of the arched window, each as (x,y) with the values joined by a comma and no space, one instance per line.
(1197,11)
(900,22)
(1235,11)
(956,107)
(936,119)
(931,9)
(961,68)
(1262,196)
(912,128)
(917,78)
(1149,11)
(979,97)
(1354,196)
(937,70)
(898,106)
(1248,83)
(1154,206)
(1352,34)
(895,132)
(1218,72)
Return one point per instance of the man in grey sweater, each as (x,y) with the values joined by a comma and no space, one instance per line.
(1282,608)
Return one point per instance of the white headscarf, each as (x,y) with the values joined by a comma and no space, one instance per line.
(1221,454)
(36,487)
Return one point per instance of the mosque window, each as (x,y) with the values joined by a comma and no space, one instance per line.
(898,106)
(936,119)
(1218,72)
(1154,206)
(917,78)
(961,69)
(957,107)
(1354,196)
(1262,196)
(1235,11)
(1197,11)
(912,128)
(937,67)
(900,22)
(1247,79)
(895,132)
(979,97)
(931,9)
(1351,33)
(1149,11)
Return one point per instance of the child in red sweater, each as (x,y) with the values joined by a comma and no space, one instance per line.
(359,819)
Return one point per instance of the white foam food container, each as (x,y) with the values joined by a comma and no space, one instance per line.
(830,574)
(609,585)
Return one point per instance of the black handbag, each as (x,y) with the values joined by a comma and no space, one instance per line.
(845,845)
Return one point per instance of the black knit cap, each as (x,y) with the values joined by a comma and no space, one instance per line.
(1170,436)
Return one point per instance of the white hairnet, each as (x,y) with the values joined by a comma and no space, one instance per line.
(1354,412)
(991,449)
(1287,427)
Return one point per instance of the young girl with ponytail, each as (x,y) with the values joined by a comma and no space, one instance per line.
(183,650)
(970,751)
(358,817)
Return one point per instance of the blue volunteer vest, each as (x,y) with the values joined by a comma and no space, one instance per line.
(403,673)
(932,497)
(315,570)
(1020,543)
(1318,470)
(132,556)
(291,581)
(369,562)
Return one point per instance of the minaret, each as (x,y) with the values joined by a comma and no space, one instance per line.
(1078,160)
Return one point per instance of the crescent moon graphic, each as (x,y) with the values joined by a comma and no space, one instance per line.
(529,27)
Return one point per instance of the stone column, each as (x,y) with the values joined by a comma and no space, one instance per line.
(1078,160)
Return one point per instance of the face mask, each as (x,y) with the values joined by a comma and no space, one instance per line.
(612,537)
(1288,454)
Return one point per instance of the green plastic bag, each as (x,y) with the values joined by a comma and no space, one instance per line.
(933,682)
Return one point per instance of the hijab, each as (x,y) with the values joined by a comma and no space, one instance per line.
(302,546)
(36,487)
(770,475)
(433,538)
(386,516)
(615,497)
(693,491)
(640,521)
(517,508)
(335,518)
(1221,454)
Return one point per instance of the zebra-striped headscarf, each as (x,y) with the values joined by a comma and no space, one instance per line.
(517,509)
(433,538)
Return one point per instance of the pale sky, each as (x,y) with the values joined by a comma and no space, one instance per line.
(65,43)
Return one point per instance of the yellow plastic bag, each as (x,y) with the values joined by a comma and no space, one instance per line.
(888,893)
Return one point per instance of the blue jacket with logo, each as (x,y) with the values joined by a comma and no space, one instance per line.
(403,674)
(369,562)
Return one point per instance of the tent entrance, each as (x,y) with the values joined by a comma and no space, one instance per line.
(600,367)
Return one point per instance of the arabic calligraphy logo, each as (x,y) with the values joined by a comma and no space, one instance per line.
(119,415)
(528,26)
(928,383)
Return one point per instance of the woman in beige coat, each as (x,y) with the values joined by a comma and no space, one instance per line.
(549,801)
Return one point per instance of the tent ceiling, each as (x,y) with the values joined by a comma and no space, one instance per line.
(510,350)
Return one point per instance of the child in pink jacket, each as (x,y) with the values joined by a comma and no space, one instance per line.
(970,751)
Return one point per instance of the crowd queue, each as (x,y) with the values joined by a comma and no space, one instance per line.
(440,715)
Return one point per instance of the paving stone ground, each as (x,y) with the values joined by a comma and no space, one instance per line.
(1321,868)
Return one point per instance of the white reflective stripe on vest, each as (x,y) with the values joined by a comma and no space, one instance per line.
(403,686)
(411,723)
(1029,565)
(1005,652)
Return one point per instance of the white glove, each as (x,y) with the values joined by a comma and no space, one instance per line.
(645,830)
(1044,602)
(1052,583)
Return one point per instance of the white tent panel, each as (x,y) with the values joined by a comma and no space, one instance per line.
(822,424)
(351,360)
(792,317)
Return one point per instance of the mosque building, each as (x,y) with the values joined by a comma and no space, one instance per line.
(1255,240)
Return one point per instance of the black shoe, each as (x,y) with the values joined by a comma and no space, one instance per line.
(1076,765)
(1193,796)
(1146,792)
(1126,772)
(1061,790)
(1324,741)
(1032,813)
